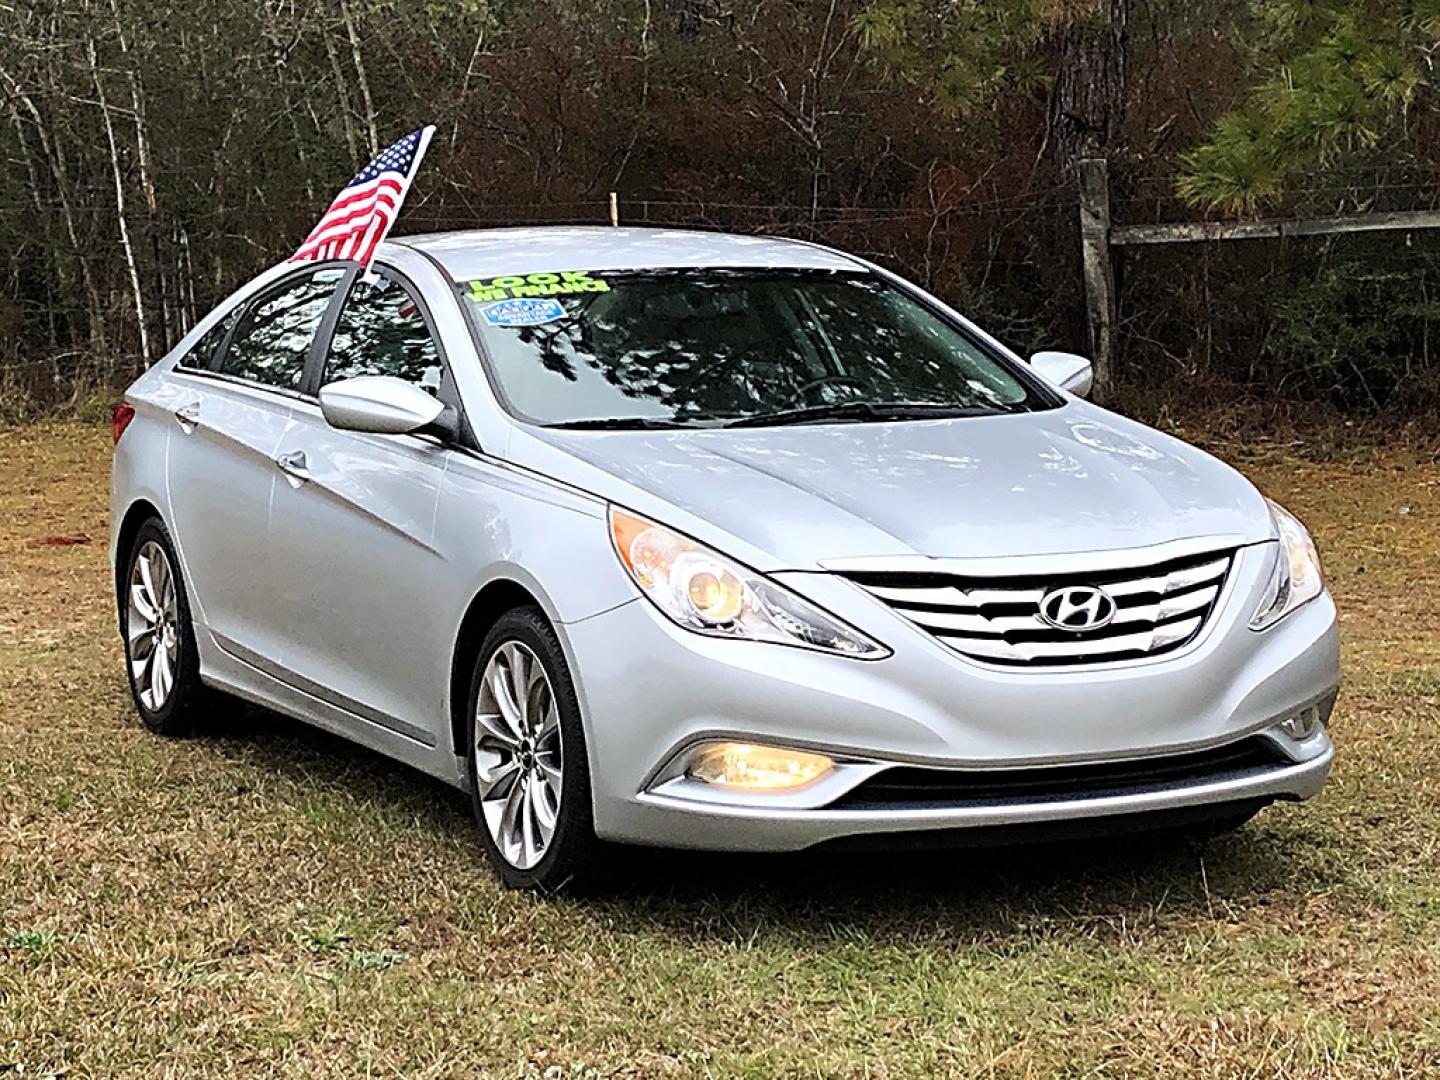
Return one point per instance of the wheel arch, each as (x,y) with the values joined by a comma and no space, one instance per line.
(498,596)
(138,512)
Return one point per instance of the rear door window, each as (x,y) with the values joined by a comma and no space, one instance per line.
(274,335)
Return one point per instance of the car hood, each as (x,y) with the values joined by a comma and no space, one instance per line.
(1068,480)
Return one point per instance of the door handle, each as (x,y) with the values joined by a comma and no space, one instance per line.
(293,465)
(187,416)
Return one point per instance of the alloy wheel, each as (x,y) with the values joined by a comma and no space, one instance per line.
(518,765)
(152,626)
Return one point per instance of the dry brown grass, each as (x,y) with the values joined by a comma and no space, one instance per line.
(274,901)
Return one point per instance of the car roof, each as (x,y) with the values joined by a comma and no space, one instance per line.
(486,253)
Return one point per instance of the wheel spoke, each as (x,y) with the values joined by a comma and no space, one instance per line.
(551,775)
(495,782)
(518,667)
(142,640)
(545,814)
(147,578)
(509,835)
(529,827)
(537,698)
(161,676)
(505,701)
(142,602)
(493,728)
(549,724)
(140,666)
(160,576)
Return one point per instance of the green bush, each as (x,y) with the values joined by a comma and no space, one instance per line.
(1357,333)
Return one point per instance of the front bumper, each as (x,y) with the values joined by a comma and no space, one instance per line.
(735,827)
(650,690)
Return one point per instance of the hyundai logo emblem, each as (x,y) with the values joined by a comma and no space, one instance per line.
(1077,607)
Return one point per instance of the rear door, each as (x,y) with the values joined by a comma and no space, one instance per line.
(357,576)
(235,402)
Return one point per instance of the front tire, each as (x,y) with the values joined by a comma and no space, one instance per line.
(162,663)
(529,775)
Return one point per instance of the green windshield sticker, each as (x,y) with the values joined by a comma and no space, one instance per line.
(514,286)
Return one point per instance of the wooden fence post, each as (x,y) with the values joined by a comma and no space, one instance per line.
(1094,190)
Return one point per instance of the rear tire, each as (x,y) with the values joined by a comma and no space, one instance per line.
(525,748)
(162,664)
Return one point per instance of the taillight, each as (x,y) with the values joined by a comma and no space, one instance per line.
(120,418)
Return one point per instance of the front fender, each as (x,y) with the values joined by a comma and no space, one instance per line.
(505,523)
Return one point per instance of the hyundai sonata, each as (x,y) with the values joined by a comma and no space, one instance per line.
(694,540)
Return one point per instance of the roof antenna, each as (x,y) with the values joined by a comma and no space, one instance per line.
(614,209)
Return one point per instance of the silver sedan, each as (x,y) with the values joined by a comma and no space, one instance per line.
(684,539)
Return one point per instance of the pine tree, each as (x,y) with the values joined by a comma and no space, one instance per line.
(1335,77)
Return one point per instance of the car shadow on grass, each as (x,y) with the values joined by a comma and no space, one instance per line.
(324,767)
(897,892)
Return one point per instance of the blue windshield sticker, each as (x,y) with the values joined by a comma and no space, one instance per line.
(523,312)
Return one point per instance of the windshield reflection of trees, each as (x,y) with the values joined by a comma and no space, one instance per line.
(734,346)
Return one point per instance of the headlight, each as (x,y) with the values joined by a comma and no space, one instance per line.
(1296,579)
(704,591)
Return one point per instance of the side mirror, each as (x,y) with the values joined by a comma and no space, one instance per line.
(1069,372)
(378,404)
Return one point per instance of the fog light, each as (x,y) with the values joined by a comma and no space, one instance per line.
(1302,724)
(747,767)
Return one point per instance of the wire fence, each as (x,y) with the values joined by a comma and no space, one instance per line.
(1260,315)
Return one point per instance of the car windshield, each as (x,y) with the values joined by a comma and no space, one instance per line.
(713,347)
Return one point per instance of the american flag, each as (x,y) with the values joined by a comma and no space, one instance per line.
(364,210)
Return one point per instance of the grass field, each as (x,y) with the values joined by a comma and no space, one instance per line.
(271,900)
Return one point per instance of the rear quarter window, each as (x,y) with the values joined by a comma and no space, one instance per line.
(201,355)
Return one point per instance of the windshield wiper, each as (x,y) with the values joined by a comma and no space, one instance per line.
(859,412)
(620,423)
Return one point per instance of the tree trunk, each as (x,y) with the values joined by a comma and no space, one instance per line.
(364,80)
(1087,102)
(147,180)
(185,274)
(55,158)
(124,226)
(347,116)
(32,174)
(1094,188)
(1087,110)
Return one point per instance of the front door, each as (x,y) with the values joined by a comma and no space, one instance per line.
(357,576)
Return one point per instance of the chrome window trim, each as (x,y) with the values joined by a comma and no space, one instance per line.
(242,384)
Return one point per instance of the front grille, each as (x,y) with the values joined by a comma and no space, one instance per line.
(911,786)
(1158,609)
